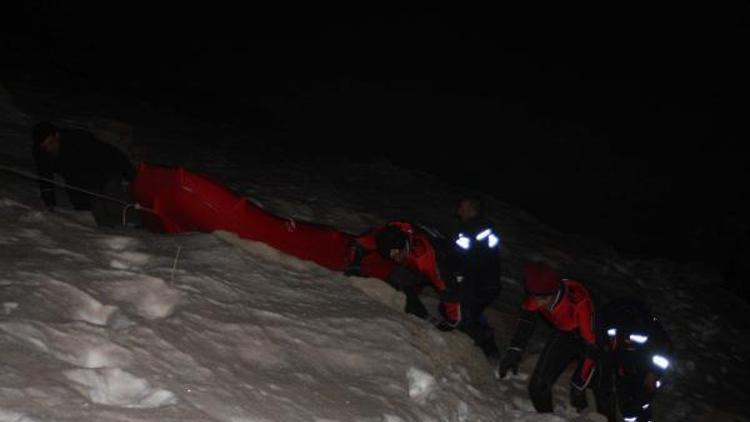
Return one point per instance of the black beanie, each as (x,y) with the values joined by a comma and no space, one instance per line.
(390,237)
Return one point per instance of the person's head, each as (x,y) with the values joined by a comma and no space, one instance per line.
(392,243)
(468,208)
(46,137)
(542,283)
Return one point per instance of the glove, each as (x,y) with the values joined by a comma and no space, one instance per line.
(353,269)
(510,361)
(354,260)
(583,375)
(578,399)
(442,324)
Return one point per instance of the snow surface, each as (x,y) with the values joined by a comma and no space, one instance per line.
(126,325)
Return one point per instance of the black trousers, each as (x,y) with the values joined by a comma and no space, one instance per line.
(561,348)
(478,289)
(625,392)
(475,325)
(411,283)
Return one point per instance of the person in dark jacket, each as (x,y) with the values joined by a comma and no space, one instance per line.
(567,305)
(477,245)
(410,257)
(636,353)
(86,164)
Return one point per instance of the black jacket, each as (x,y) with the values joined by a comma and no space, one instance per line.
(636,349)
(83,162)
(477,246)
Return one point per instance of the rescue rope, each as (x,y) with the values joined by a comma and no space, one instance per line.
(127,205)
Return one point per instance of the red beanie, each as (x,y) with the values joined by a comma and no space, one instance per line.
(540,279)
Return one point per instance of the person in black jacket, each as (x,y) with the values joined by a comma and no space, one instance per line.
(636,354)
(86,164)
(477,246)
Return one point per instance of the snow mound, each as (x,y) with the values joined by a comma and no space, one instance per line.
(150,297)
(118,243)
(63,300)
(76,344)
(380,292)
(11,416)
(115,387)
(421,384)
(268,253)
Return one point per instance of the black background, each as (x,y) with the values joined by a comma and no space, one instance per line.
(622,121)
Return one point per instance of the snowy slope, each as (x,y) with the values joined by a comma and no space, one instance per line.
(132,326)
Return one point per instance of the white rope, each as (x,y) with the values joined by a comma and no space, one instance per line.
(125,213)
(75,188)
(174,264)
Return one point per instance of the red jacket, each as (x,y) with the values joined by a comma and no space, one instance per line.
(421,258)
(573,311)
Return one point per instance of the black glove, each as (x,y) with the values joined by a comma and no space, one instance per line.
(578,399)
(354,260)
(510,361)
(353,269)
(442,325)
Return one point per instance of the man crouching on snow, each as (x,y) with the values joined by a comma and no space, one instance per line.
(93,170)
(567,305)
(409,257)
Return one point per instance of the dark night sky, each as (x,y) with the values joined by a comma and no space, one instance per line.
(614,120)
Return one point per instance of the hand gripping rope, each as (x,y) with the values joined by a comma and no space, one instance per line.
(126,205)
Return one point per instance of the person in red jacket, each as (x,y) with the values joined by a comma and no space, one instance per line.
(409,257)
(567,305)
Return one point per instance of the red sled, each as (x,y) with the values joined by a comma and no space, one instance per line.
(182,201)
